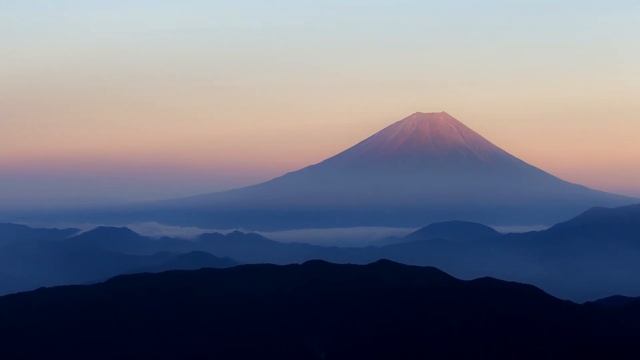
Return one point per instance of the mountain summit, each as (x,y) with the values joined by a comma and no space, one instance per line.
(424,168)
(426,134)
(424,139)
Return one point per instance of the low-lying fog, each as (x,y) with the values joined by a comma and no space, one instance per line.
(344,237)
(353,237)
(357,236)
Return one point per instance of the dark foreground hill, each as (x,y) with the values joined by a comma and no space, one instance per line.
(316,310)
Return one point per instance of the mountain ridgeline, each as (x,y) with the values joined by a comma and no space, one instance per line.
(425,168)
(316,310)
(594,255)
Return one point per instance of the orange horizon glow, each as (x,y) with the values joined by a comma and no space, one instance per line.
(222,95)
(592,157)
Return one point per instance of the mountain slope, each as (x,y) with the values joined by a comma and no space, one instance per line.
(425,168)
(316,310)
(593,255)
(453,231)
(190,261)
(621,223)
(16,232)
(124,240)
(42,257)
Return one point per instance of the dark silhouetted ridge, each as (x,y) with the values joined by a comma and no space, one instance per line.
(191,261)
(617,302)
(315,310)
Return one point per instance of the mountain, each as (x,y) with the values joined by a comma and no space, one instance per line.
(240,246)
(425,168)
(593,255)
(616,302)
(17,232)
(32,264)
(622,223)
(33,258)
(124,240)
(453,231)
(316,310)
(190,261)
(120,239)
(255,248)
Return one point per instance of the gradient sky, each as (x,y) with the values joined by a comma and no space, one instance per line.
(128,100)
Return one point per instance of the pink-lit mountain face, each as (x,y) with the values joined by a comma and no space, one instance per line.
(427,167)
(432,136)
(425,139)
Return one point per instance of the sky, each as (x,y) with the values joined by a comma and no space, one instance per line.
(112,101)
